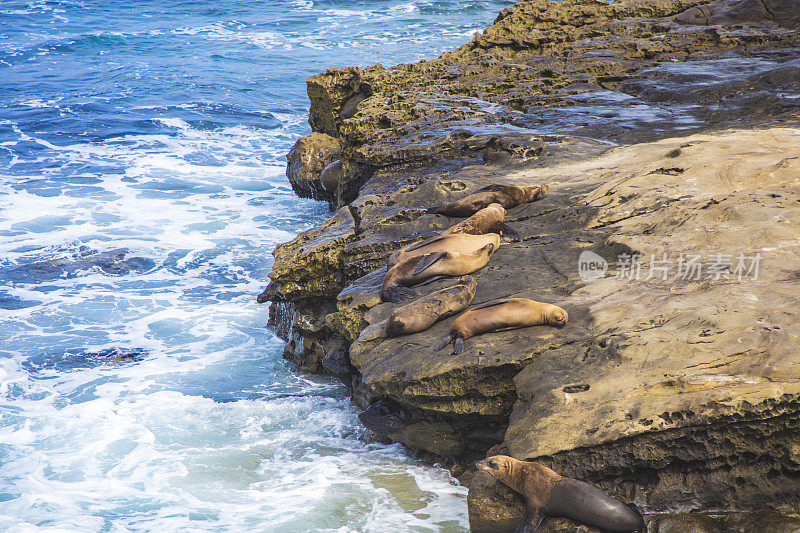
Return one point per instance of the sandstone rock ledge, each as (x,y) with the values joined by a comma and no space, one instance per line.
(667,129)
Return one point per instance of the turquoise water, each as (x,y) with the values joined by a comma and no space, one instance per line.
(142,190)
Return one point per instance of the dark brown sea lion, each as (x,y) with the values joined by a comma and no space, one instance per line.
(463,243)
(506,195)
(507,313)
(487,220)
(330,176)
(549,494)
(422,268)
(423,312)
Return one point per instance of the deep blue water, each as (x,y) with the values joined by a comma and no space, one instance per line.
(142,190)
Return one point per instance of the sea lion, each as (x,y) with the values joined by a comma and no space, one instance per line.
(506,195)
(463,243)
(422,268)
(549,494)
(331,175)
(423,312)
(507,313)
(487,220)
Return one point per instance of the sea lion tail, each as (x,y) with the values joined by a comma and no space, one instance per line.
(399,294)
(510,232)
(444,342)
(458,345)
(637,512)
(434,210)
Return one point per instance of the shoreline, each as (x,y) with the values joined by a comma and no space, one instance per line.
(525,103)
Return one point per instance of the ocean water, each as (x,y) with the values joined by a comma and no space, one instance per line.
(142,190)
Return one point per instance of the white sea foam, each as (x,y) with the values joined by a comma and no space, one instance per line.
(206,428)
(90,442)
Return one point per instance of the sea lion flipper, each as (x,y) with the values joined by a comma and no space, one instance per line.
(424,242)
(434,278)
(426,261)
(511,233)
(458,345)
(531,522)
(398,294)
(490,304)
(444,342)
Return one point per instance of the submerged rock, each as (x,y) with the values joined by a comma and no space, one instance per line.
(114,262)
(78,359)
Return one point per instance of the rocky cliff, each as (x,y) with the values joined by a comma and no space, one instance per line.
(665,130)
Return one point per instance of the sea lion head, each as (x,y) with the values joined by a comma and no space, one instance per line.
(499,466)
(517,474)
(496,207)
(536,192)
(557,317)
(489,249)
(469,282)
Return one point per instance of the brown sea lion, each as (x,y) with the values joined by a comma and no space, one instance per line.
(423,312)
(422,268)
(330,176)
(507,313)
(463,243)
(549,494)
(506,195)
(487,220)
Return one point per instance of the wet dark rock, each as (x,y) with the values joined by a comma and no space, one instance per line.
(306,161)
(783,13)
(114,262)
(336,361)
(79,359)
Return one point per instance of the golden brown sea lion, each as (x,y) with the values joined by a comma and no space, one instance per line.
(549,494)
(463,243)
(422,268)
(506,195)
(507,313)
(487,220)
